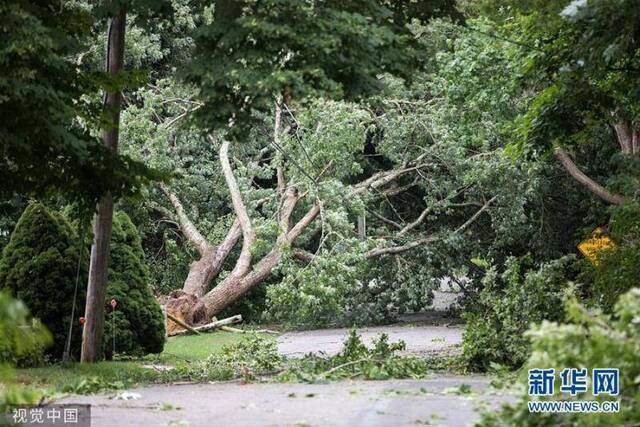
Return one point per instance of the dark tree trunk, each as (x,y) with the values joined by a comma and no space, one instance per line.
(94,309)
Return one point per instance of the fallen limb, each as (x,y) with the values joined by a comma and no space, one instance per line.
(344,365)
(266,331)
(244,331)
(230,329)
(209,326)
(183,324)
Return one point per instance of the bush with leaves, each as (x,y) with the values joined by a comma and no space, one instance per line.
(22,340)
(509,302)
(356,360)
(590,340)
(618,268)
(39,267)
(247,359)
(138,318)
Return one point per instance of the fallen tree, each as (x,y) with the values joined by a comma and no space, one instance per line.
(198,301)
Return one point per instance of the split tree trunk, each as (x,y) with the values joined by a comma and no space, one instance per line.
(195,304)
(100,250)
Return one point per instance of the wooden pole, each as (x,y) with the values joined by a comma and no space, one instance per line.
(103,221)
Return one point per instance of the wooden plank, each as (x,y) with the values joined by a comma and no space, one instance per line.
(183,324)
(213,325)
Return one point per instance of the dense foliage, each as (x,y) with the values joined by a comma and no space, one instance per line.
(510,301)
(475,143)
(258,358)
(39,266)
(137,320)
(22,340)
(618,268)
(587,340)
(48,135)
(250,53)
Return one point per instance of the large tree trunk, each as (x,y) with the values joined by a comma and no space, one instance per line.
(94,309)
(195,305)
(204,270)
(232,288)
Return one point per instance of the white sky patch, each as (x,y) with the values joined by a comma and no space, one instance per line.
(572,10)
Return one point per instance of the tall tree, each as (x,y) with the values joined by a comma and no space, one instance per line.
(42,86)
(257,56)
(98,268)
(584,65)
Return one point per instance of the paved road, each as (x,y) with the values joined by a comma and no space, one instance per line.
(436,401)
(432,402)
(421,339)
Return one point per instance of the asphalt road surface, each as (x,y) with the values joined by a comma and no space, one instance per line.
(422,339)
(439,401)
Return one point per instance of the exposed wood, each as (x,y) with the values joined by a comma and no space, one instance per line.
(625,136)
(302,255)
(290,198)
(187,227)
(103,221)
(248,234)
(210,326)
(379,179)
(587,182)
(362,226)
(183,324)
(234,285)
(230,329)
(247,274)
(394,250)
(415,223)
(204,270)
(303,223)
(244,331)
(387,220)
(277,128)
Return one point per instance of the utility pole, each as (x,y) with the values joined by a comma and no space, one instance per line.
(103,220)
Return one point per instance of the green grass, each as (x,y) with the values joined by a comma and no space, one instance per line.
(196,347)
(87,378)
(110,375)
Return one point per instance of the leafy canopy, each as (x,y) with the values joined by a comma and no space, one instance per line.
(46,135)
(252,52)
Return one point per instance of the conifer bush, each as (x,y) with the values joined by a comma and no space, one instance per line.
(139,323)
(39,266)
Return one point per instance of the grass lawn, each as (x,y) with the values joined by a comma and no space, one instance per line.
(87,378)
(195,347)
